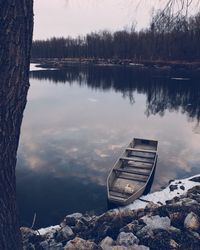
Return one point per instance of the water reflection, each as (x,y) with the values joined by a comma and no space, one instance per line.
(168,93)
(74,131)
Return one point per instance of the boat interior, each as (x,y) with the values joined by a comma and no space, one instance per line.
(133,169)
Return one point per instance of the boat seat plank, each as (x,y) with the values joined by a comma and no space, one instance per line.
(118,194)
(130,171)
(142,150)
(142,156)
(147,167)
(131,178)
(136,160)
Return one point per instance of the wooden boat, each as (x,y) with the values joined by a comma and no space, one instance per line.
(132,172)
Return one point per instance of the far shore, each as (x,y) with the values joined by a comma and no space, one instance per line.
(186,67)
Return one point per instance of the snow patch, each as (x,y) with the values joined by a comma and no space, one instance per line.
(43,231)
(34,67)
(161,197)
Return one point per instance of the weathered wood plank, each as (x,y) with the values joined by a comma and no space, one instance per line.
(135,160)
(130,171)
(142,150)
(131,179)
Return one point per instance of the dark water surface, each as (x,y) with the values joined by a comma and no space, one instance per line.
(77,123)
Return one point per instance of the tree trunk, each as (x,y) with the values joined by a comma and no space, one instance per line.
(16,23)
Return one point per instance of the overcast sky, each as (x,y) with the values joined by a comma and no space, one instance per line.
(73,17)
(78,17)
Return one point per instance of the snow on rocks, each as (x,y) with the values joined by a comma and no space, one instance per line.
(180,187)
(44,231)
(162,220)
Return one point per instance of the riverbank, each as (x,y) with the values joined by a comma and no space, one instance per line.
(186,69)
(168,219)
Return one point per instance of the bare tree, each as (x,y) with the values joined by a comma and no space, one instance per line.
(16,22)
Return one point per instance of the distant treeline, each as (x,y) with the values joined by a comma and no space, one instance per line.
(167,38)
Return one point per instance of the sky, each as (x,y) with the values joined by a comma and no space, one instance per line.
(62,18)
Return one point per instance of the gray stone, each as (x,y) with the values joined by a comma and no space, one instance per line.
(66,232)
(50,234)
(44,245)
(29,246)
(27,233)
(195,179)
(156,222)
(174,230)
(55,246)
(192,222)
(127,239)
(80,244)
(173,244)
(106,243)
(71,219)
(173,187)
(139,247)
(133,247)
(189,202)
(152,205)
(119,248)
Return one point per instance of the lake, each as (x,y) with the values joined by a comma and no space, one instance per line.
(78,121)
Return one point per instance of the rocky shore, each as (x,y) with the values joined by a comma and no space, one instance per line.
(185,69)
(169,219)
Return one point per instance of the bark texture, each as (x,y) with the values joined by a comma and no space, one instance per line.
(16,23)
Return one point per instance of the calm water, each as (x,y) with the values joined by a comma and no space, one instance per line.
(78,121)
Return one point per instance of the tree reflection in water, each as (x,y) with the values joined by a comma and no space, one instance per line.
(163,92)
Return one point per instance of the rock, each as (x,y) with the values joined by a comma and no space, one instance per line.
(119,248)
(50,245)
(80,244)
(174,230)
(195,179)
(106,243)
(44,245)
(133,247)
(51,234)
(139,247)
(29,246)
(173,244)
(152,205)
(58,246)
(173,187)
(126,239)
(153,223)
(71,219)
(170,181)
(65,233)
(132,227)
(30,236)
(27,233)
(182,187)
(189,202)
(109,224)
(156,222)
(192,222)
(177,219)
(196,235)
